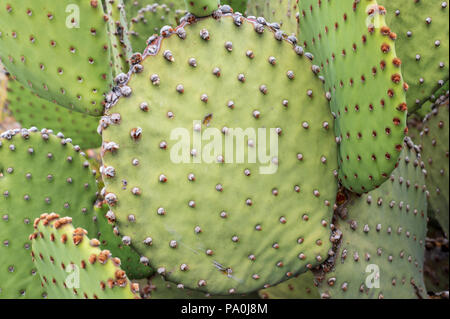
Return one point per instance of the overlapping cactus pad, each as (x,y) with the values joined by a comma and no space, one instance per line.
(72,266)
(422,29)
(354,51)
(31,110)
(149,21)
(223,227)
(283,12)
(72,67)
(302,287)
(435,145)
(40,173)
(381,250)
(131,262)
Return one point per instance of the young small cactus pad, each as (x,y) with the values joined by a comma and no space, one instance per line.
(381,249)
(72,67)
(72,266)
(132,263)
(283,12)
(202,8)
(216,222)
(39,173)
(301,287)
(237,5)
(435,148)
(422,29)
(30,110)
(354,51)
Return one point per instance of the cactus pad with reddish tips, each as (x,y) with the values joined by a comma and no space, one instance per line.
(423,33)
(224,225)
(72,266)
(435,148)
(381,252)
(354,51)
(30,110)
(72,67)
(39,173)
(302,287)
(202,8)
(134,266)
(283,12)
(149,21)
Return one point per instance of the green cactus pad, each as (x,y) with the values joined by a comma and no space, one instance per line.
(202,8)
(237,5)
(149,21)
(283,12)
(422,29)
(31,110)
(355,53)
(72,67)
(39,173)
(223,227)
(302,287)
(382,237)
(121,49)
(157,287)
(131,261)
(435,154)
(72,266)
(132,7)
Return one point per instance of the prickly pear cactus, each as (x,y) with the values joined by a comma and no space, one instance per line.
(353,49)
(72,67)
(149,21)
(202,8)
(222,226)
(72,266)
(302,287)
(422,30)
(381,239)
(40,173)
(133,6)
(435,154)
(132,263)
(283,12)
(31,110)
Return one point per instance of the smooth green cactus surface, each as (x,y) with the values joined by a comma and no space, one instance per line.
(382,244)
(72,67)
(149,21)
(236,5)
(132,264)
(435,150)
(355,53)
(40,173)
(224,224)
(283,12)
(72,266)
(202,8)
(30,110)
(423,32)
(302,287)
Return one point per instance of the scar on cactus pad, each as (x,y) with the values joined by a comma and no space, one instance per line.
(223,227)
(72,266)
(354,51)
(40,172)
